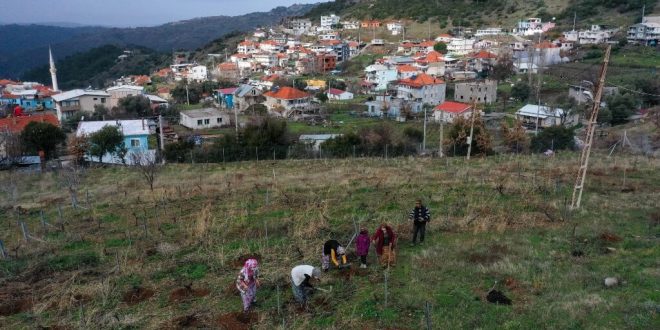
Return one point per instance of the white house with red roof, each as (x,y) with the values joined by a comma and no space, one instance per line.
(339,95)
(407,71)
(284,101)
(247,47)
(448,111)
(421,89)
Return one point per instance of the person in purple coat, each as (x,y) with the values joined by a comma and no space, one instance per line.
(362,246)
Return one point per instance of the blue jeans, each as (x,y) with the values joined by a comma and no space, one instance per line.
(298,293)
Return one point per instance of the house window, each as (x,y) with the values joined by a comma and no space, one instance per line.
(135,143)
(103,100)
(96,99)
(219,120)
(207,121)
(199,122)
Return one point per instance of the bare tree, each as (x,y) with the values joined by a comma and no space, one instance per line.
(11,148)
(147,165)
(70,178)
(10,187)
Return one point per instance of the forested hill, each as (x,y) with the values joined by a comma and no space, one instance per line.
(477,13)
(190,34)
(97,66)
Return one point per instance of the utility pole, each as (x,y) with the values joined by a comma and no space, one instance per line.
(474,105)
(424,139)
(187,94)
(162,137)
(540,82)
(442,126)
(591,128)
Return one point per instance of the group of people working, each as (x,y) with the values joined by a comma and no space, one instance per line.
(334,254)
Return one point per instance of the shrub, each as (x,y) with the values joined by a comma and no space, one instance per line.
(555,138)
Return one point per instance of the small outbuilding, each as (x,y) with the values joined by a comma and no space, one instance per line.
(204,118)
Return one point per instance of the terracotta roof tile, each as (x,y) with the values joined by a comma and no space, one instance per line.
(17,124)
(287,93)
(453,107)
(421,80)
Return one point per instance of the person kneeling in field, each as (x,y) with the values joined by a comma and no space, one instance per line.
(247,283)
(301,277)
(332,251)
(385,241)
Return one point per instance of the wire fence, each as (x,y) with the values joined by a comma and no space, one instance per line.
(219,154)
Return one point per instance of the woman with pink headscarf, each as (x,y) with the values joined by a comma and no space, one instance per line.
(247,282)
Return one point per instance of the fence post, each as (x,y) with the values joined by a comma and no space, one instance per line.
(256,151)
(386,293)
(2,250)
(26,235)
(428,316)
(43,221)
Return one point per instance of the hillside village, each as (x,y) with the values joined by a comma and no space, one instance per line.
(300,69)
(336,141)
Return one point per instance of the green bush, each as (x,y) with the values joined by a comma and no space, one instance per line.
(192,271)
(73,261)
(555,138)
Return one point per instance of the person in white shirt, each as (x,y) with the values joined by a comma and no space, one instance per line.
(300,281)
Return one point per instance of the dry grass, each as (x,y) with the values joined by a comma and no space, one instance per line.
(202,219)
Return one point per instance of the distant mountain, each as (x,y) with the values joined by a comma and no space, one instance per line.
(97,67)
(26,47)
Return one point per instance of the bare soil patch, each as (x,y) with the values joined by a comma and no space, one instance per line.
(15,306)
(494,253)
(187,293)
(237,320)
(609,237)
(137,295)
(188,321)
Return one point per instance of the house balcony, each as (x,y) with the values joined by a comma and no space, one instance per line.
(70,108)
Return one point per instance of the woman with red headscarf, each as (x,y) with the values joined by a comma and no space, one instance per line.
(385,239)
(247,282)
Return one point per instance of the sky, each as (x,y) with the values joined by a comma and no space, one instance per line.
(124,13)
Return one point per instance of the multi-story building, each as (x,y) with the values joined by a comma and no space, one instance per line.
(459,46)
(327,22)
(647,32)
(532,26)
(421,89)
(476,91)
(79,100)
(597,34)
(300,26)
(488,32)
(378,76)
(119,92)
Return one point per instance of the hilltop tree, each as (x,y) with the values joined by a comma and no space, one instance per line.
(554,138)
(621,106)
(135,105)
(109,140)
(42,136)
(521,91)
(503,69)
(440,47)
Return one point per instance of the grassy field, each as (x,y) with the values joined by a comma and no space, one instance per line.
(168,258)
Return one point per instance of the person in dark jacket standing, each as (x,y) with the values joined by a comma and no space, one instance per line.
(419,215)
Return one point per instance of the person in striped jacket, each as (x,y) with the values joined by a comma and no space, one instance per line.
(419,215)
